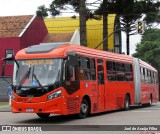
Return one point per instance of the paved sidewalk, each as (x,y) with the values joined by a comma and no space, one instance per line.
(5,108)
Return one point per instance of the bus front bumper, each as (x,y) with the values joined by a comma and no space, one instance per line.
(51,106)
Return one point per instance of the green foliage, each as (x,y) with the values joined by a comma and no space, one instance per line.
(42,11)
(149,48)
(129,11)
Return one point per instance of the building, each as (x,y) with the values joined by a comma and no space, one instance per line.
(18,32)
(94,30)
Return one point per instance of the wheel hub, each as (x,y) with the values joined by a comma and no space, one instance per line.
(84,108)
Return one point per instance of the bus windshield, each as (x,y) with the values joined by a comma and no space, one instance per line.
(39,72)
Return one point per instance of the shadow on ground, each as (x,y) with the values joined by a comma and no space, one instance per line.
(60,119)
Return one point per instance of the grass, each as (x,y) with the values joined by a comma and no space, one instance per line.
(3,103)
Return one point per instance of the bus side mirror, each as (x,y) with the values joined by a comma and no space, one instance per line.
(3,64)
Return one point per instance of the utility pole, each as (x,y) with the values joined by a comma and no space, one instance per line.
(105,25)
(82,22)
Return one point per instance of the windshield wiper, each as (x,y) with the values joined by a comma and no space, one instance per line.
(26,75)
(35,76)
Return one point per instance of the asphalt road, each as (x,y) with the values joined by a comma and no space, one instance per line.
(136,116)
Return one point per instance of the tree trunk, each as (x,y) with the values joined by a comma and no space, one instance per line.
(127,43)
(127,38)
(105,25)
(82,21)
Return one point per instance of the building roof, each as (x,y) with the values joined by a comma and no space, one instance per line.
(58,37)
(12,26)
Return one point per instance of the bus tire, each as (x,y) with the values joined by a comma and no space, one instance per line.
(126,103)
(150,100)
(84,109)
(43,115)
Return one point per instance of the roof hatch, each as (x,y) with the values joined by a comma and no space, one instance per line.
(43,48)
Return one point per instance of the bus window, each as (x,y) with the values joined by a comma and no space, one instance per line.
(120,72)
(85,73)
(142,75)
(155,78)
(149,76)
(100,74)
(146,75)
(111,71)
(128,72)
(93,69)
(152,77)
(87,70)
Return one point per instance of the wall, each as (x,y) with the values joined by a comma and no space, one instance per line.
(8,43)
(34,34)
(94,29)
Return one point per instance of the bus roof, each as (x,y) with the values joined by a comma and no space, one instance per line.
(60,50)
(146,65)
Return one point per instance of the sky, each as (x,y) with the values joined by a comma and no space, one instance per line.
(29,7)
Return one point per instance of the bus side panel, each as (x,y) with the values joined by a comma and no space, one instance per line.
(137,81)
(121,89)
(87,88)
(147,91)
(146,88)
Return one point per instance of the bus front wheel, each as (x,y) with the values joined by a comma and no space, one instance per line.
(84,109)
(43,115)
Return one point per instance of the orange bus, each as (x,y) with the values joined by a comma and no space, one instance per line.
(68,79)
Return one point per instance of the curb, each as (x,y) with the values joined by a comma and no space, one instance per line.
(5,108)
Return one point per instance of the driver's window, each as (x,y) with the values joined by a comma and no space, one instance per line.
(72,78)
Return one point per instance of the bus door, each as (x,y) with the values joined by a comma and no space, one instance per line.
(101,85)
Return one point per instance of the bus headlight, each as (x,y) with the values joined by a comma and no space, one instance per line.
(55,95)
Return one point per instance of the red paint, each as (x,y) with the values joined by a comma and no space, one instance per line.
(103,97)
(34,34)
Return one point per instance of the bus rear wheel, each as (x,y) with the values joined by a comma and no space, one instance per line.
(43,115)
(84,109)
(150,100)
(126,103)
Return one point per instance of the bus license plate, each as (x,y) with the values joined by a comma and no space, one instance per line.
(29,110)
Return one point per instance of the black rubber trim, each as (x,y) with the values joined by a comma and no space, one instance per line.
(43,48)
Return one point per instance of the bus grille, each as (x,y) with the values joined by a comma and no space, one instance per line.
(72,105)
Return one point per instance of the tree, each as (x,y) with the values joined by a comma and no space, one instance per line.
(149,48)
(129,11)
(42,11)
(78,6)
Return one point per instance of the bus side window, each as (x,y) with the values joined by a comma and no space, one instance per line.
(73,77)
(128,72)
(93,69)
(100,74)
(149,76)
(143,75)
(88,71)
(155,81)
(146,75)
(111,72)
(120,72)
(84,73)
